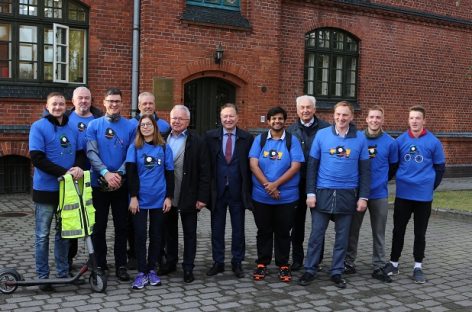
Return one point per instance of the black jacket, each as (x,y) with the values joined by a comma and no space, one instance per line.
(242,146)
(297,129)
(196,173)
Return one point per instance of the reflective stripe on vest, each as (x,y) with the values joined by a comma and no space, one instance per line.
(74,222)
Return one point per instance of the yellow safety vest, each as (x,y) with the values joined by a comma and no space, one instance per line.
(75,222)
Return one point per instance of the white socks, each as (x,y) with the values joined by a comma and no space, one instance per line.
(417,265)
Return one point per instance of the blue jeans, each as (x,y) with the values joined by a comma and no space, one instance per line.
(44,214)
(319,223)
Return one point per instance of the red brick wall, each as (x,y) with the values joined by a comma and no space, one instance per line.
(402,62)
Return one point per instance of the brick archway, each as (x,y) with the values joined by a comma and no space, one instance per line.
(19,148)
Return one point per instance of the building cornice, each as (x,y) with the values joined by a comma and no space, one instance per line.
(395,12)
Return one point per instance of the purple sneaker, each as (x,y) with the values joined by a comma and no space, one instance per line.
(153,279)
(140,281)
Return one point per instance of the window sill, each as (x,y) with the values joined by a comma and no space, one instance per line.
(35,90)
(215,18)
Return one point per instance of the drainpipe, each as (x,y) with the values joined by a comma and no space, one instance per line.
(135,60)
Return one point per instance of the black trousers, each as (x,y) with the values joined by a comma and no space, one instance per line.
(274,223)
(298,230)
(171,237)
(403,209)
(140,222)
(118,201)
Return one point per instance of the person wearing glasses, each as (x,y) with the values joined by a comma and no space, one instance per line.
(108,139)
(420,171)
(150,173)
(191,191)
(146,106)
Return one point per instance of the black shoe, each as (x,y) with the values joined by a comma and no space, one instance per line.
(381,275)
(215,269)
(188,277)
(46,288)
(296,266)
(238,270)
(339,281)
(122,274)
(306,279)
(166,269)
(349,268)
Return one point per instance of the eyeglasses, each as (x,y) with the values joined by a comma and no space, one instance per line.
(114,101)
(179,119)
(145,124)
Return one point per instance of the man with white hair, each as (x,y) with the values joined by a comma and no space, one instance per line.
(191,192)
(305,129)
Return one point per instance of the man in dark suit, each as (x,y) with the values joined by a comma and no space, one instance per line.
(230,188)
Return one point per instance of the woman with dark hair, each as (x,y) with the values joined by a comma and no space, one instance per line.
(150,170)
(275,159)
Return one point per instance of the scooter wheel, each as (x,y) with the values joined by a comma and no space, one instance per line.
(98,282)
(8,279)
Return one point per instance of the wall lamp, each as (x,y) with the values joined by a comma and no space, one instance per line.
(219,53)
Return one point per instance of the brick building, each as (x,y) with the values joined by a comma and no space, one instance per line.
(393,53)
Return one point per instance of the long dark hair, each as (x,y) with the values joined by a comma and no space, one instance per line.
(156,137)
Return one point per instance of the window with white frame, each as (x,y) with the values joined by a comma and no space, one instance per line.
(43,41)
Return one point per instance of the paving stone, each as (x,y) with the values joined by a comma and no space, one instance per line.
(446,264)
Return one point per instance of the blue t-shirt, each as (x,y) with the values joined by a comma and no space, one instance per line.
(59,144)
(163,125)
(113,140)
(151,164)
(383,151)
(80,124)
(415,175)
(274,161)
(339,159)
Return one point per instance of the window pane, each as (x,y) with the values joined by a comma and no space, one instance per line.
(61,71)
(53,8)
(76,55)
(5,51)
(48,53)
(28,52)
(76,13)
(5,6)
(28,71)
(48,36)
(338,40)
(48,71)
(323,39)
(231,2)
(28,33)
(28,7)
(61,36)
(310,39)
(351,44)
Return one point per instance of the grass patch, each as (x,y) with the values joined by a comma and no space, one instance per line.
(457,200)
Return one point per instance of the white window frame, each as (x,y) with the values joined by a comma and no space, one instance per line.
(56,44)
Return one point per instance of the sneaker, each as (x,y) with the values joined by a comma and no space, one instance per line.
(284,274)
(140,281)
(306,279)
(260,272)
(389,269)
(349,268)
(380,275)
(418,276)
(153,279)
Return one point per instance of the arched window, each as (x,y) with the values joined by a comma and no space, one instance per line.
(331,61)
(43,41)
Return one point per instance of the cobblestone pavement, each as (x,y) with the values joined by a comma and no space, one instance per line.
(447,267)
